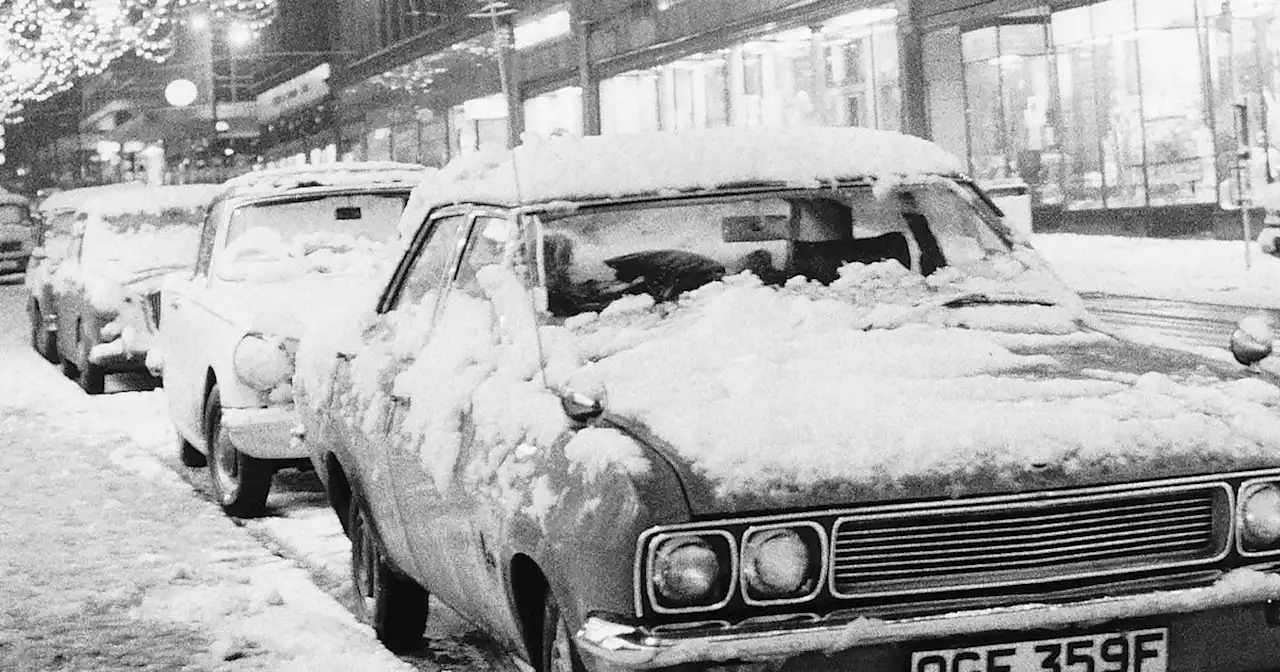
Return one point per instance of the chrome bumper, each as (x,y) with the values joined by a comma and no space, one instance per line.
(618,646)
(264,433)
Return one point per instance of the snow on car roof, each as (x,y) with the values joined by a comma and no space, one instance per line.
(72,198)
(651,163)
(328,174)
(153,200)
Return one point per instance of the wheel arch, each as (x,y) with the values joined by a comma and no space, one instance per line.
(338,487)
(529,588)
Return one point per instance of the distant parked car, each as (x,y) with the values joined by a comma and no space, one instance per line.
(781,399)
(17,232)
(55,229)
(279,246)
(106,288)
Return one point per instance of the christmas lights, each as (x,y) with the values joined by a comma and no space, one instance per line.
(46,45)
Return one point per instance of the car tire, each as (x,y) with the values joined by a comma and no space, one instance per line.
(240,482)
(394,605)
(559,653)
(190,456)
(69,368)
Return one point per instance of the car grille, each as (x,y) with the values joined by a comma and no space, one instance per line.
(10,245)
(1022,542)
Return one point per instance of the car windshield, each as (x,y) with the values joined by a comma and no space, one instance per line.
(137,242)
(277,238)
(12,213)
(594,256)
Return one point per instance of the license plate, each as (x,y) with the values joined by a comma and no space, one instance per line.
(1134,651)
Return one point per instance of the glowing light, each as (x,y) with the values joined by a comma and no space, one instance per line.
(181,92)
(199,21)
(239,34)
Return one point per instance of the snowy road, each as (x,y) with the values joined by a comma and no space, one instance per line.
(115,558)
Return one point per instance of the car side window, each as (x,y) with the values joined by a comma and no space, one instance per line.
(485,247)
(428,269)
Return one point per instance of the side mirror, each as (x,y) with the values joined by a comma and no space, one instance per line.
(580,407)
(1251,342)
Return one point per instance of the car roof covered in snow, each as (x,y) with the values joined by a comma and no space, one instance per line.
(72,198)
(601,167)
(351,174)
(151,199)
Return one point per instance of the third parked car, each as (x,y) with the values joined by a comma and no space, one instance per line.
(105,289)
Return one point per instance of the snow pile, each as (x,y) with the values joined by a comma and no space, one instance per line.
(324,175)
(883,377)
(262,254)
(756,387)
(149,200)
(648,163)
(71,199)
(1192,270)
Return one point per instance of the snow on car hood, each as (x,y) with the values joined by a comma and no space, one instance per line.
(812,396)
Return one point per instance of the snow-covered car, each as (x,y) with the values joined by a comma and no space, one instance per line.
(279,247)
(790,399)
(17,231)
(54,234)
(105,291)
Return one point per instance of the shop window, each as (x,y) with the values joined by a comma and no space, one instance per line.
(554,114)
(1009,102)
(378,144)
(404,142)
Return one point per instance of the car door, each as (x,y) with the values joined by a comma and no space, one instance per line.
(180,335)
(365,393)
(451,522)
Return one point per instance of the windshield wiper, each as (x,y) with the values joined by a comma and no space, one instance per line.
(981,299)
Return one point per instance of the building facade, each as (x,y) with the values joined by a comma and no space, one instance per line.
(1145,117)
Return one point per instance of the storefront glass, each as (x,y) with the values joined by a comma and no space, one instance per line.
(844,73)
(1120,103)
(554,114)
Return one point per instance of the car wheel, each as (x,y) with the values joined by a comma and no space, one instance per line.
(241,482)
(187,453)
(393,605)
(559,653)
(68,365)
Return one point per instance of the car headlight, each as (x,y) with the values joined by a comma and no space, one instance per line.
(782,563)
(1260,516)
(262,363)
(691,571)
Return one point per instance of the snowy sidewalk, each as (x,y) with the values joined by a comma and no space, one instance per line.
(108,561)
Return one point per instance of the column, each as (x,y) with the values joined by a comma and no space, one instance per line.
(587,79)
(915,118)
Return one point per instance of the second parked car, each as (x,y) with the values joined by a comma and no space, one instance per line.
(104,288)
(278,248)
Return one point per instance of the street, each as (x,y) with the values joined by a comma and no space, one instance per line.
(104,523)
